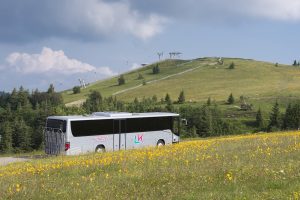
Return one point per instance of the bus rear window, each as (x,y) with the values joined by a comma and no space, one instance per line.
(56,124)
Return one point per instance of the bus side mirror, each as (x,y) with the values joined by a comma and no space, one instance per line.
(184,121)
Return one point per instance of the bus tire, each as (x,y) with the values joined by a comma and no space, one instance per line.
(100,149)
(160,143)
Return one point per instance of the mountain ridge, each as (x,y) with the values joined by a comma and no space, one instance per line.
(250,77)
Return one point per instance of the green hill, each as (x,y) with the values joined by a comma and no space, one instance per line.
(200,79)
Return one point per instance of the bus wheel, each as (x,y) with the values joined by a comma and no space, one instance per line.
(160,143)
(100,149)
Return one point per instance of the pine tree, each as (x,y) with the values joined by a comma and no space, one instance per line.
(94,102)
(194,131)
(4,98)
(259,121)
(181,97)
(37,136)
(208,103)
(6,137)
(23,97)
(295,63)
(154,98)
(21,135)
(155,69)
(232,65)
(296,116)
(274,123)
(51,89)
(76,89)
(230,99)
(168,99)
(121,80)
(55,99)
(140,76)
(288,117)
(136,101)
(13,99)
(291,119)
(169,106)
(205,123)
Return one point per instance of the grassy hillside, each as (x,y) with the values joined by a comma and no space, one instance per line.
(264,166)
(257,80)
(110,86)
(249,78)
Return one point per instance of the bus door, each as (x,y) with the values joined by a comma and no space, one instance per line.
(119,134)
(54,141)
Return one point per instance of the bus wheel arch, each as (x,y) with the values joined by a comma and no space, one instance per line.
(100,148)
(160,143)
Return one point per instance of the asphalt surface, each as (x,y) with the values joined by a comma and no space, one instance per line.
(8,160)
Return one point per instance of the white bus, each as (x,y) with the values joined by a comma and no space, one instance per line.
(109,131)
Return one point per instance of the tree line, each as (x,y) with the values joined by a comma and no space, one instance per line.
(23,115)
(22,118)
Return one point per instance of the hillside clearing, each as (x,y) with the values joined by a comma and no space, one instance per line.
(250,78)
(110,86)
(200,79)
(166,77)
(262,166)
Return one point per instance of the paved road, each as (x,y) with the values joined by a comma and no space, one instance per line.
(7,160)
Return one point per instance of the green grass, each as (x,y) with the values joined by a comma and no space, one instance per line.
(264,166)
(110,86)
(253,79)
(256,80)
(261,83)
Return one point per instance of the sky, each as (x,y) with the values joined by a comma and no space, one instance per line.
(62,41)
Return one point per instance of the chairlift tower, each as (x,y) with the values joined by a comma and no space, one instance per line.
(175,54)
(160,55)
(82,83)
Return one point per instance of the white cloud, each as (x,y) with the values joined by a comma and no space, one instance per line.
(104,17)
(53,62)
(208,10)
(151,27)
(135,66)
(275,9)
(81,19)
(99,19)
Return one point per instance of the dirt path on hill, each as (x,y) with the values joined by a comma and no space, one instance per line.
(163,78)
(81,101)
(75,103)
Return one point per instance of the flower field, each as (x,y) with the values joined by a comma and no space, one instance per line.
(261,166)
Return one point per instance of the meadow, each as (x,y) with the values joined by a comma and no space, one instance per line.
(254,166)
(256,80)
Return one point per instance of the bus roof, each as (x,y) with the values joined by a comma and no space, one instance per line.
(114,115)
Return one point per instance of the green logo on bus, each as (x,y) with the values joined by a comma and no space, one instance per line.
(138,139)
